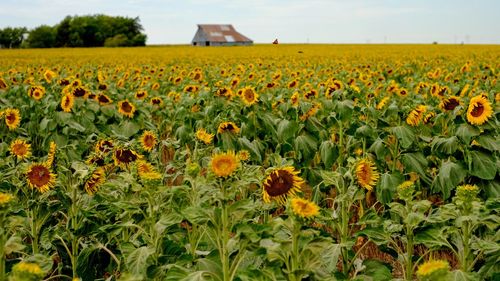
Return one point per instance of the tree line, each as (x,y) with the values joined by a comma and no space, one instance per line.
(77,31)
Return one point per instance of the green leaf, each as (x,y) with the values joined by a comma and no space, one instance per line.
(379,148)
(449,176)
(287,129)
(328,153)
(465,132)
(376,270)
(445,145)
(13,245)
(483,165)
(387,187)
(378,235)
(344,109)
(138,261)
(75,125)
(458,275)
(489,143)
(306,145)
(252,147)
(416,162)
(405,136)
(432,238)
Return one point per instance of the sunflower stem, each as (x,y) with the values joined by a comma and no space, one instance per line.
(295,251)
(34,232)
(3,234)
(224,255)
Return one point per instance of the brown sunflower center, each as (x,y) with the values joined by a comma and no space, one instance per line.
(156,101)
(39,175)
(67,102)
(477,110)
(79,92)
(279,184)
(19,149)
(103,99)
(126,107)
(450,104)
(249,95)
(125,156)
(149,140)
(11,118)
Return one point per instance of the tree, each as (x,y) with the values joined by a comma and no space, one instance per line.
(43,36)
(12,37)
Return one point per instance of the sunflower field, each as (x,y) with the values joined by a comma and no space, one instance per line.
(271,162)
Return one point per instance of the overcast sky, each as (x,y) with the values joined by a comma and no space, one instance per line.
(291,21)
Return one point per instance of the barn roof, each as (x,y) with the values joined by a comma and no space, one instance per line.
(222,33)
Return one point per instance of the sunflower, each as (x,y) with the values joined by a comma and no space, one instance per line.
(479,110)
(224,164)
(103,146)
(449,104)
(244,155)
(67,102)
(281,183)
(146,171)
(49,75)
(124,156)
(23,267)
(156,101)
(416,116)
(21,149)
(304,208)
(80,92)
(126,108)
(228,127)
(428,117)
(95,180)
(366,174)
(12,118)
(104,99)
(295,99)
(429,267)
(202,135)
(142,94)
(3,84)
(5,198)
(52,153)
(40,177)
(293,84)
(312,94)
(148,140)
(224,92)
(249,96)
(36,92)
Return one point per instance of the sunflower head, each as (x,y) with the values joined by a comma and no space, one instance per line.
(12,118)
(103,146)
(126,108)
(80,92)
(449,104)
(142,94)
(228,127)
(244,155)
(96,179)
(104,99)
(67,102)
(405,190)
(249,96)
(3,84)
(366,174)
(466,194)
(304,208)
(432,269)
(224,164)
(157,101)
(27,271)
(21,149)
(36,92)
(148,140)
(202,135)
(147,171)
(479,110)
(40,177)
(124,156)
(5,198)
(281,183)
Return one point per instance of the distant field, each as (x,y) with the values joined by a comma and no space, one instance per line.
(269,162)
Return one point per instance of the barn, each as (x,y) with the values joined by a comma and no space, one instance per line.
(219,35)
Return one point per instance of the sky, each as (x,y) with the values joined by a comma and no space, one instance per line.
(290,21)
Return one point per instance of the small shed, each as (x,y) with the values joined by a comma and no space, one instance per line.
(219,35)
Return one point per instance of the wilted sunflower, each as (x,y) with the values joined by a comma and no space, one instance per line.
(249,96)
(479,110)
(103,146)
(95,180)
(366,174)
(36,92)
(124,156)
(224,164)
(448,104)
(3,84)
(104,99)
(67,102)
(126,108)
(148,140)
(281,183)
(304,208)
(21,149)
(229,127)
(416,116)
(40,177)
(202,135)
(52,154)
(146,171)
(428,117)
(12,118)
